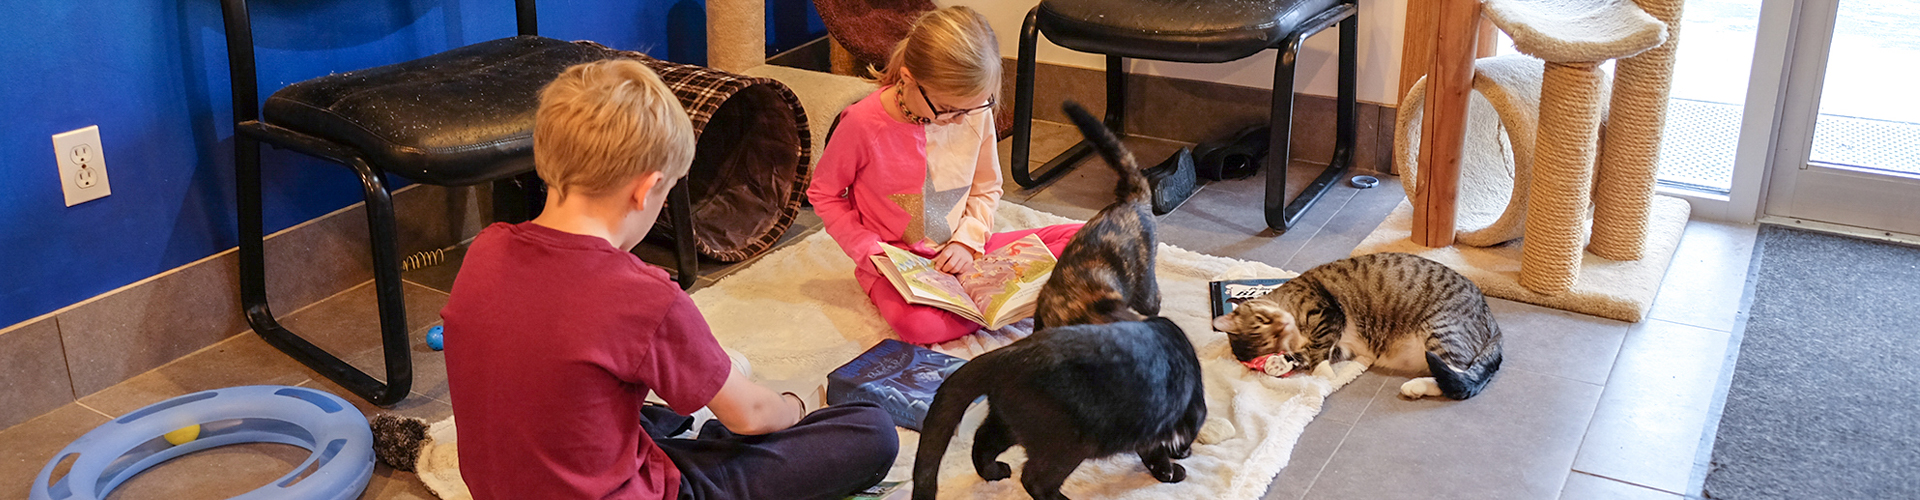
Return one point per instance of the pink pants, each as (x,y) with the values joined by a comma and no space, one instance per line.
(924,325)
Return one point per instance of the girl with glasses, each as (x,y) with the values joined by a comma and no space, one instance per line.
(914,165)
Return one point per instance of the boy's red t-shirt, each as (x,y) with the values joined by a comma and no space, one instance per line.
(552,341)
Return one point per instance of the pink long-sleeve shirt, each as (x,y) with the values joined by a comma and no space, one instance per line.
(914,186)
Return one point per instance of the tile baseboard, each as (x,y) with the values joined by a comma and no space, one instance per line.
(56,358)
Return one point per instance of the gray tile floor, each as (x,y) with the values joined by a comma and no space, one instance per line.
(1585,408)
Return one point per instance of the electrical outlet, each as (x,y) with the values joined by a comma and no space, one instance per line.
(83,165)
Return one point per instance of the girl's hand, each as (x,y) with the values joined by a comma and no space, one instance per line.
(954,259)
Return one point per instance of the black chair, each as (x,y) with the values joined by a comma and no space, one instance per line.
(461,117)
(1195,31)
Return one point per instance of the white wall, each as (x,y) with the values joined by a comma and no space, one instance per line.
(1382,23)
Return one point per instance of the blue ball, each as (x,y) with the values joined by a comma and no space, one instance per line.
(435,339)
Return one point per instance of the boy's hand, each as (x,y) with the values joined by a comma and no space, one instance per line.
(954,259)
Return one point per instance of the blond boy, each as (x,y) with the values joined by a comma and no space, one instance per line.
(555,333)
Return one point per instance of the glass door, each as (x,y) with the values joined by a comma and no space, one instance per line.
(1847,149)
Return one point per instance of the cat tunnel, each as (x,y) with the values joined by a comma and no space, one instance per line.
(751,159)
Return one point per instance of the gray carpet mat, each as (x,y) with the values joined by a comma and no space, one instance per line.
(1825,399)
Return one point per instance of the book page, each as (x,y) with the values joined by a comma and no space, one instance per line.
(928,285)
(1006,283)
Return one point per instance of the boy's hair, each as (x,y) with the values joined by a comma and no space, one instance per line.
(604,123)
(950,50)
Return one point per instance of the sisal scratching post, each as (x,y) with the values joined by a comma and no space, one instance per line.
(736,34)
(842,61)
(1569,124)
(1630,152)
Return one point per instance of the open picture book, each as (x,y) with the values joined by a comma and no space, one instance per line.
(1001,288)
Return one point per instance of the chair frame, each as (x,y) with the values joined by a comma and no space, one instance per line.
(250,132)
(1279,214)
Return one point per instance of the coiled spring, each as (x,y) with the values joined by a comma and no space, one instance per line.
(425,259)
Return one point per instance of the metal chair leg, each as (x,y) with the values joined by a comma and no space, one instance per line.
(1281,215)
(686,257)
(1023,107)
(387,285)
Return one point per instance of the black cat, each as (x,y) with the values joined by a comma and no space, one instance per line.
(1068,394)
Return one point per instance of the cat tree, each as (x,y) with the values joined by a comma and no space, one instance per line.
(737,43)
(1534,127)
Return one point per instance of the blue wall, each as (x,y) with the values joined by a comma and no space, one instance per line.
(153,75)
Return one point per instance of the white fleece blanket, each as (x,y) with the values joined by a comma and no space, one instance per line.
(797,312)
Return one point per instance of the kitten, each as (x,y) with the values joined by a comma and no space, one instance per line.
(1105,273)
(1068,394)
(1393,311)
(1103,377)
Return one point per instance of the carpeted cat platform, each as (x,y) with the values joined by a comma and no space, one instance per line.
(1821,404)
(1621,290)
(797,313)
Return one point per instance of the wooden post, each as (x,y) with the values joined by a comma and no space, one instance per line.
(1443,128)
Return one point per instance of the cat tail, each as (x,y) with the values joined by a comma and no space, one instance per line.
(943,417)
(1133,186)
(1463,384)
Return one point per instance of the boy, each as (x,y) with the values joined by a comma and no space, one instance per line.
(555,334)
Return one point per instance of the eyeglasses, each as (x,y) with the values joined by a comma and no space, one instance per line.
(938,114)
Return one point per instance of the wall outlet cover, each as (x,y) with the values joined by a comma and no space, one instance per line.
(83,165)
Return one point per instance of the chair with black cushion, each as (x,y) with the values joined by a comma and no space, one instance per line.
(1193,31)
(460,117)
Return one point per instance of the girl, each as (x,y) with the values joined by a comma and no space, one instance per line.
(914,165)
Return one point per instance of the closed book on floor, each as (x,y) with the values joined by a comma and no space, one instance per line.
(898,376)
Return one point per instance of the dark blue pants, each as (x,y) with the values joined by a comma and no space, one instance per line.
(831,453)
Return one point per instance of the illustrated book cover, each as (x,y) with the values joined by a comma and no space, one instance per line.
(1225,294)
(898,376)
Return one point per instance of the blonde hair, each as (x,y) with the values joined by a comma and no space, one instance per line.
(952,51)
(604,123)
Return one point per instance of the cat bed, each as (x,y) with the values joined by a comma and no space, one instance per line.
(826,320)
(335,431)
(750,164)
(1577,30)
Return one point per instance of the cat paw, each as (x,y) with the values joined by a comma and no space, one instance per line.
(995,471)
(1174,473)
(1215,430)
(1419,387)
(1323,370)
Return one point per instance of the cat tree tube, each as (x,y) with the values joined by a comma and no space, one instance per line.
(1630,152)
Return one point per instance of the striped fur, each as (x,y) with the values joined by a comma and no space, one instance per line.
(1393,311)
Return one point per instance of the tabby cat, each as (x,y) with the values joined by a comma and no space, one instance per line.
(1392,311)
(1103,377)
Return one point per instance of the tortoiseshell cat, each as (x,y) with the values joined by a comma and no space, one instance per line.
(1103,377)
(1393,311)
(1105,273)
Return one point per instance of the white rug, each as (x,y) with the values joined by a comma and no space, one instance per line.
(798,312)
